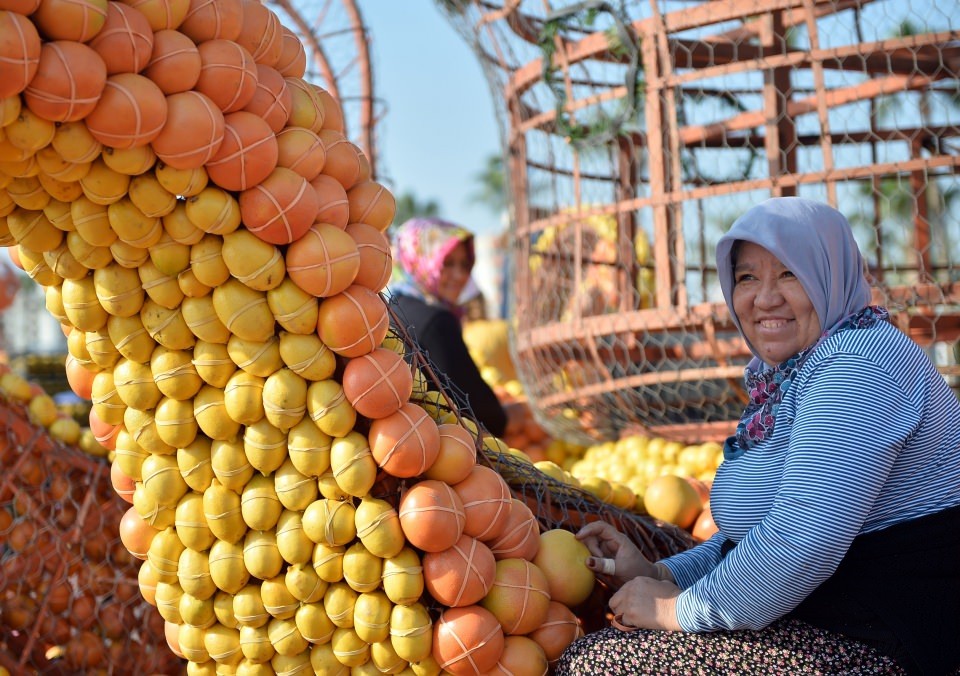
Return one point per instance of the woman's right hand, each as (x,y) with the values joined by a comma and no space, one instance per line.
(605,542)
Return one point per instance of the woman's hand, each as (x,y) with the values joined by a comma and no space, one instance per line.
(645,603)
(605,542)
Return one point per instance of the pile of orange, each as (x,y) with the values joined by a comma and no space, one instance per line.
(214,249)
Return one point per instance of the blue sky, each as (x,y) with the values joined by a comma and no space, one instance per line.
(440,123)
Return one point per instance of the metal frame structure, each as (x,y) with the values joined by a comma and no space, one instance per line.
(338,59)
(633,113)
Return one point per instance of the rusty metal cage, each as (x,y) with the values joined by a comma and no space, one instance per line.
(636,132)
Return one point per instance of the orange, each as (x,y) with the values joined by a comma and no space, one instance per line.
(701,487)
(671,498)
(704,527)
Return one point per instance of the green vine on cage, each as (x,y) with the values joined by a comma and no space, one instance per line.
(620,43)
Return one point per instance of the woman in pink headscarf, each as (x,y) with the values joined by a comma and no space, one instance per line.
(433,259)
(838,501)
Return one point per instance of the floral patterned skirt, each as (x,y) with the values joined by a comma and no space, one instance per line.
(785,647)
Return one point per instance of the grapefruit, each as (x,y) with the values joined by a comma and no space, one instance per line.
(672,499)
(563,560)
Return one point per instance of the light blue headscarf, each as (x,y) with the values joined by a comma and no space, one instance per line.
(814,241)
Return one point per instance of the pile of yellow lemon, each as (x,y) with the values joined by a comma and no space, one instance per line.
(638,460)
(621,472)
(43,411)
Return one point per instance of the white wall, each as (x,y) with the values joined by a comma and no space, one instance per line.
(489,272)
(26,324)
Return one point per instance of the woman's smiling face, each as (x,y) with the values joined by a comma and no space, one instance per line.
(455,274)
(774,310)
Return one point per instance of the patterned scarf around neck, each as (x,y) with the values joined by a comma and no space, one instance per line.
(767,387)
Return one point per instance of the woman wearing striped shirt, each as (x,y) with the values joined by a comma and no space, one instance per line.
(838,501)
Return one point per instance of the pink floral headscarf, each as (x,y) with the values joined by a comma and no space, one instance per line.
(420,246)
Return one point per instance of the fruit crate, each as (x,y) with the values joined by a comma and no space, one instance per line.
(69,596)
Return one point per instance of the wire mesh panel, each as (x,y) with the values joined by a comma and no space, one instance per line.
(636,132)
(70,598)
(553,503)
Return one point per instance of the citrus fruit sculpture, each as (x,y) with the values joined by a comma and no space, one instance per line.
(214,248)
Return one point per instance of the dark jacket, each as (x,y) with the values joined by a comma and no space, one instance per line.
(439,334)
(898,589)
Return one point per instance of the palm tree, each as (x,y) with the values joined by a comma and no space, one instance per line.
(893,200)
(409,205)
(491,185)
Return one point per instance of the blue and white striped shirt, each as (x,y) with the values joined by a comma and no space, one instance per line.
(867,436)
